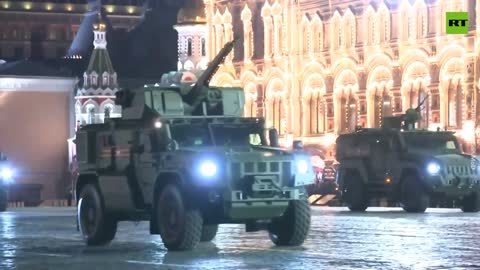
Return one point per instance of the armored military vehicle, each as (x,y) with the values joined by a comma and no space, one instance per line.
(406,165)
(6,177)
(183,158)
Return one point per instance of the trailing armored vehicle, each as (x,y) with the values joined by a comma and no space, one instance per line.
(183,158)
(406,165)
(6,177)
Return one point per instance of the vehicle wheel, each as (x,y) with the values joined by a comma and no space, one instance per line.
(471,203)
(96,226)
(291,229)
(208,232)
(355,195)
(414,197)
(180,228)
(3,200)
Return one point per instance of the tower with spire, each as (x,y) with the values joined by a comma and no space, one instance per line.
(94,100)
(192,38)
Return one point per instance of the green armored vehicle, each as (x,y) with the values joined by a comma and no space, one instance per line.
(407,166)
(182,158)
(6,178)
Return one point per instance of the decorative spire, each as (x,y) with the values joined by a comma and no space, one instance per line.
(99,30)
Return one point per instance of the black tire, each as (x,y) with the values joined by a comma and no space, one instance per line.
(96,226)
(291,229)
(180,227)
(414,197)
(3,200)
(471,203)
(355,195)
(209,232)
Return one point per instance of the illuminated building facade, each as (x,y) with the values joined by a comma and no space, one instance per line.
(45,29)
(192,35)
(316,69)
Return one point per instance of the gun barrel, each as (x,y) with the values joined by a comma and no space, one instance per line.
(196,92)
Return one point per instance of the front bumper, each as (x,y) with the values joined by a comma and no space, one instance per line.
(323,188)
(454,186)
(241,207)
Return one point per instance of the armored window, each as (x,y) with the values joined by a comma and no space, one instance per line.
(204,49)
(148,99)
(189,47)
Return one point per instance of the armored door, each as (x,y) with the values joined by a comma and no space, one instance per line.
(380,150)
(145,150)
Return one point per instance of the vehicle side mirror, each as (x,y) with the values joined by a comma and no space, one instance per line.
(297,145)
(172,145)
(123,98)
(273,137)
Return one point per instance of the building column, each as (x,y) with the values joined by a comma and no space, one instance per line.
(260,100)
(370,98)
(337,112)
(295,111)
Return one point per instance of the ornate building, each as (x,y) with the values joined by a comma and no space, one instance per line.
(95,98)
(192,33)
(46,28)
(315,69)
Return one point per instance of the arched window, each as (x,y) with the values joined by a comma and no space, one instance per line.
(371,25)
(271,38)
(91,114)
(251,100)
(106,111)
(348,112)
(276,114)
(94,80)
(424,109)
(454,103)
(317,35)
(336,31)
(384,23)
(316,118)
(105,80)
(86,83)
(306,38)
(382,105)
(189,47)
(350,30)
(422,26)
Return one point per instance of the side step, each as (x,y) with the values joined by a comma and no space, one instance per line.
(321,200)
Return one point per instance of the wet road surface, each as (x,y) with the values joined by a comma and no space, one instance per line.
(382,238)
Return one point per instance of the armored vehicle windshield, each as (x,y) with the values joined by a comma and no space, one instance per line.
(433,142)
(213,134)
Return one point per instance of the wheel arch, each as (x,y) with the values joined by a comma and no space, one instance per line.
(82,181)
(415,171)
(162,180)
(349,167)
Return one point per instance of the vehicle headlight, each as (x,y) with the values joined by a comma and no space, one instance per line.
(208,168)
(302,166)
(6,174)
(433,168)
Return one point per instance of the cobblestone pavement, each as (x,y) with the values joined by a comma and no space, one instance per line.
(382,238)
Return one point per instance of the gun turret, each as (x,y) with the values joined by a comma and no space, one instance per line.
(174,98)
(412,116)
(199,91)
(409,119)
